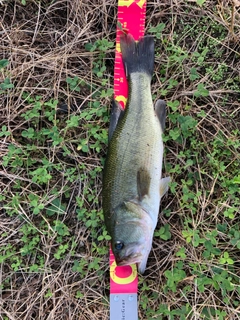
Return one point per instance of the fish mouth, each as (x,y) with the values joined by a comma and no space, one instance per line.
(138,260)
(125,261)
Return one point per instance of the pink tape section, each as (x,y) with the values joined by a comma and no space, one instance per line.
(122,279)
(131,16)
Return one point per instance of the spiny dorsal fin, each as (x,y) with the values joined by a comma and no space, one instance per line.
(143,183)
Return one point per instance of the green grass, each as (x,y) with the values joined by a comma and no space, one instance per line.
(56,86)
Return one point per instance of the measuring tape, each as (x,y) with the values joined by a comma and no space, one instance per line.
(131,18)
(123,279)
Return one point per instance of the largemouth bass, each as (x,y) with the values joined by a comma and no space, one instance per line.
(132,184)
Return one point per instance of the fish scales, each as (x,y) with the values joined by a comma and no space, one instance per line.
(136,143)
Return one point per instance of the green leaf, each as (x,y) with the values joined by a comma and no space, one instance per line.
(29,133)
(6,84)
(40,175)
(174,105)
(90,47)
(201,91)
(181,253)
(61,228)
(158,30)
(193,74)
(73,122)
(56,207)
(164,232)
(200,2)
(3,63)
(175,133)
(4,132)
(236,179)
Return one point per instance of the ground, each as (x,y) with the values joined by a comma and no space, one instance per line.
(56,86)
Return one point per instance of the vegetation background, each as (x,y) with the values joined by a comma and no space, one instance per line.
(56,85)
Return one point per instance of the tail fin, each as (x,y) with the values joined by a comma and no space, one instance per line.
(137,56)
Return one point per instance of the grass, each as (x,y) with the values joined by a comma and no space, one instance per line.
(56,84)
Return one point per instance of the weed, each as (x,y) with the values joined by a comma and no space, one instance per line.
(5,132)
(164,232)
(5,85)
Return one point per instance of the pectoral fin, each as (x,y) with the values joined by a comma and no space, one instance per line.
(164,183)
(160,110)
(143,183)
(116,114)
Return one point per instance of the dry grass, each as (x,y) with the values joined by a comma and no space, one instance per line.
(44,42)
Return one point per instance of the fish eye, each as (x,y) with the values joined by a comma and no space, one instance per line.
(119,245)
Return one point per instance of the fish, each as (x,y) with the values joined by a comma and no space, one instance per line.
(132,177)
